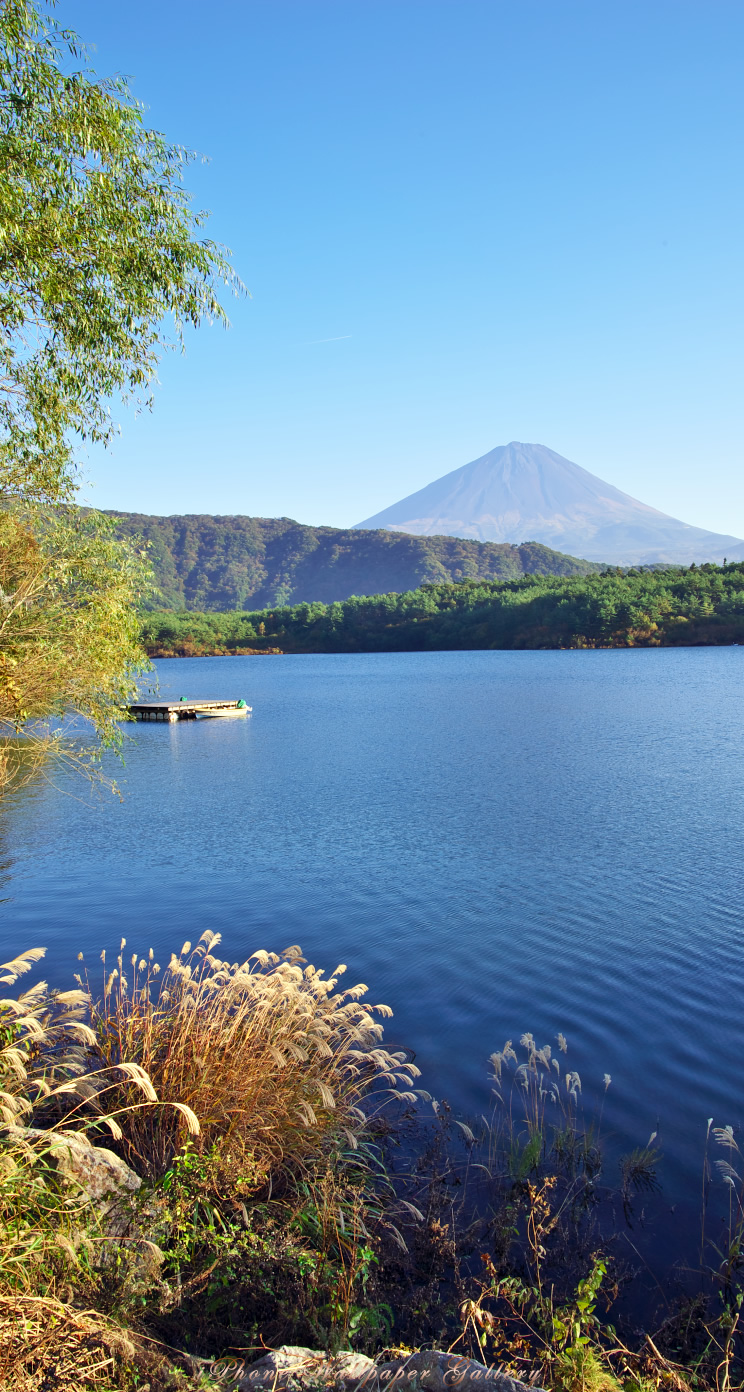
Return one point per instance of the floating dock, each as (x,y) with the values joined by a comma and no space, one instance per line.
(185,709)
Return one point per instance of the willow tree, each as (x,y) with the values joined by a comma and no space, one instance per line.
(69,636)
(102,265)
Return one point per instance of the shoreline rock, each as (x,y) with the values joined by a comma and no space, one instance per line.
(296,1369)
(96,1170)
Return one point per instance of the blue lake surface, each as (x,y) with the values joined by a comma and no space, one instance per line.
(493,841)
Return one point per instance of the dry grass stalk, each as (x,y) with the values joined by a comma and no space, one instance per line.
(41,1339)
(270,1055)
(46,1056)
(48,1074)
(45,1343)
(46,1038)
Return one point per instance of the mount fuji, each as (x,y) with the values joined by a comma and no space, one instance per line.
(521,492)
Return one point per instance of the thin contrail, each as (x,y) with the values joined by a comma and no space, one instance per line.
(327,340)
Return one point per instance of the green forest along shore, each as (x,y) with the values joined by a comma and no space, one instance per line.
(661,608)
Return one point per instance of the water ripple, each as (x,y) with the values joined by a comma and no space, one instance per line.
(493,841)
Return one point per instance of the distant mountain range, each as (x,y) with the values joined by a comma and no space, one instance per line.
(221,563)
(528,491)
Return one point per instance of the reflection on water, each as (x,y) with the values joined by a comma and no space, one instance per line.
(493,841)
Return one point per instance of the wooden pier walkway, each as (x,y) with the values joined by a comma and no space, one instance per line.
(185,709)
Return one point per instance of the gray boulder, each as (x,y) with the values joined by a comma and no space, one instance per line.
(293,1366)
(436,1371)
(95,1170)
(296,1369)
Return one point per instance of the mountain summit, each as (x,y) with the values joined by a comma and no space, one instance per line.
(522,492)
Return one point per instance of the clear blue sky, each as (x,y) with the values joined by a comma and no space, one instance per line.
(461,223)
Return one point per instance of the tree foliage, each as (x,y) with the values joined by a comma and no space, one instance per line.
(69,631)
(98,251)
(102,265)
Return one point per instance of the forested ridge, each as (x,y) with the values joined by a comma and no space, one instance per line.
(221,563)
(679,607)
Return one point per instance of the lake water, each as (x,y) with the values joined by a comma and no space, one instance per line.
(495,842)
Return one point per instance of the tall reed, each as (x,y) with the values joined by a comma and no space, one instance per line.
(54,1094)
(270,1054)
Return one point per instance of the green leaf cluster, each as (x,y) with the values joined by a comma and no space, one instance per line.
(98,253)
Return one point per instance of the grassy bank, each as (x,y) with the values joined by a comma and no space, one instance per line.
(242,1096)
(696,606)
(288,1182)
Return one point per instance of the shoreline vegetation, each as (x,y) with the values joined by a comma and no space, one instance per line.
(206,1161)
(682,607)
